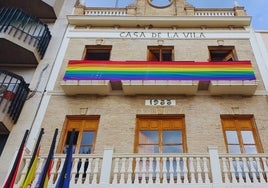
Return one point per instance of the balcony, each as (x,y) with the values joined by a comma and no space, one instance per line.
(143,77)
(13,94)
(23,38)
(233,87)
(46,10)
(117,170)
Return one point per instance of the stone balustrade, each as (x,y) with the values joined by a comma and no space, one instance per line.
(138,170)
(214,13)
(106,12)
(124,12)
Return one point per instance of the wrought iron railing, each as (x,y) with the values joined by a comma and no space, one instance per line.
(13,94)
(26,28)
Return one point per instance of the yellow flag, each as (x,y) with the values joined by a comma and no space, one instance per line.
(30,174)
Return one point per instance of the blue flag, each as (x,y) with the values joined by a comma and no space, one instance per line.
(65,175)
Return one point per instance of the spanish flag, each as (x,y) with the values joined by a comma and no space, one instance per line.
(13,173)
(45,174)
(33,163)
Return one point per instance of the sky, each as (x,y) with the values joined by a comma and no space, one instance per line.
(258,9)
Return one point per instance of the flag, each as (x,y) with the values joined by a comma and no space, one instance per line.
(33,163)
(65,175)
(44,175)
(13,173)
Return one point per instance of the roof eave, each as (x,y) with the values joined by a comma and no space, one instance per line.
(160,21)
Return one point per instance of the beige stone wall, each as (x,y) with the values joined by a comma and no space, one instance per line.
(118,118)
(136,49)
(118,112)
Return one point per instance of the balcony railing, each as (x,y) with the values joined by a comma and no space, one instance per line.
(106,12)
(200,12)
(27,29)
(143,77)
(161,170)
(123,12)
(13,94)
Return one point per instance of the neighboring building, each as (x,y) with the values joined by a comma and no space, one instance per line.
(30,37)
(159,93)
(259,42)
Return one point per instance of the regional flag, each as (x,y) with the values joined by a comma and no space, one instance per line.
(44,176)
(13,173)
(33,163)
(65,175)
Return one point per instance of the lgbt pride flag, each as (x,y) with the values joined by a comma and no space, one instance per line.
(147,70)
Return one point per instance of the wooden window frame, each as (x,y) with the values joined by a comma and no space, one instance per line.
(97,48)
(238,128)
(80,127)
(160,48)
(180,126)
(231,54)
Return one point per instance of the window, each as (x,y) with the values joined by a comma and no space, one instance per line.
(102,53)
(97,52)
(222,53)
(241,137)
(160,53)
(85,134)
(160,134)
(240,134)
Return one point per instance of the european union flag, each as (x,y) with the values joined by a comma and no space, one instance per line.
(65,175)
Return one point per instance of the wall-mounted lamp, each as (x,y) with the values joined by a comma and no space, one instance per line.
(220,42)
(160,42)
(99,41)
(83,111)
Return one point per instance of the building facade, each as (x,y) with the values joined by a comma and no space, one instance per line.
(30,37)
(159,93)
(260,49)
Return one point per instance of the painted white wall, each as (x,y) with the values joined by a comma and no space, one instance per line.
(260,50)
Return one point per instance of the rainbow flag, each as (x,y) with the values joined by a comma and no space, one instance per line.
(147,70)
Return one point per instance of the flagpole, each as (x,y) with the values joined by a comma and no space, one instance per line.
(13,173)
(27,180)
(65,175)
(43,175)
